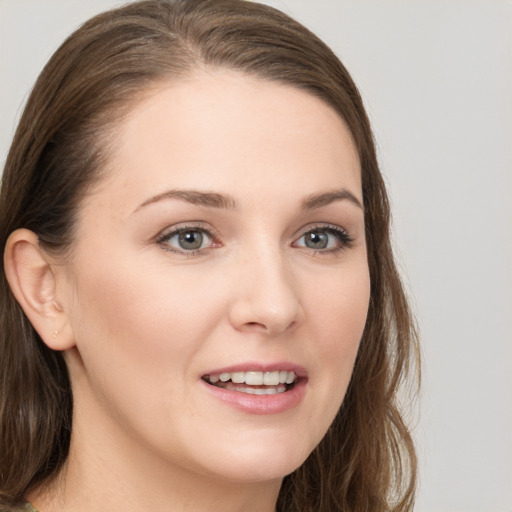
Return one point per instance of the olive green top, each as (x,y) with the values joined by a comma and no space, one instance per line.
(27,507)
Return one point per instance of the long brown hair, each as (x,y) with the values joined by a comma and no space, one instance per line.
(366,462)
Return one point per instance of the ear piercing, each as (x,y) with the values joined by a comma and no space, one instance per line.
(55,333)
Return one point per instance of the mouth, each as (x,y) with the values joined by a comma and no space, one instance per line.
(254,382)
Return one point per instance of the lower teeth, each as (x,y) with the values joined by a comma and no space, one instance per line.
(252,390)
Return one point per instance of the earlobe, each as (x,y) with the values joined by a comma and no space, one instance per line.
(31,278)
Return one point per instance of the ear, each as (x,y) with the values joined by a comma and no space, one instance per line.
(30,273)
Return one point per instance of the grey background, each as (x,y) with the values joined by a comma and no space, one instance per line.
(436,76)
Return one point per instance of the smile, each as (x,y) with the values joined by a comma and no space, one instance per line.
(253,382)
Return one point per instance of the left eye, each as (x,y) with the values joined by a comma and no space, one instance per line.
(187,240)
(324,239)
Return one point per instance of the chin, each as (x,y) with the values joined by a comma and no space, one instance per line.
(261,462)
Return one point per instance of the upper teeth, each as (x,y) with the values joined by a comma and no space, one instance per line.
(255,378)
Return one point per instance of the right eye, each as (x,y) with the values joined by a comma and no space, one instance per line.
(187,240)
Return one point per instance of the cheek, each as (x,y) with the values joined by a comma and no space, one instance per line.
(138,329)
(145,313)
(339,312)
(340,309)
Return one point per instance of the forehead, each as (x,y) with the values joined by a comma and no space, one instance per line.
(223,129)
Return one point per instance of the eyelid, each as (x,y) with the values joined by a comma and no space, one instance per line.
(341,233)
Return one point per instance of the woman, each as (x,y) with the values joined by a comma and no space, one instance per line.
(199,301)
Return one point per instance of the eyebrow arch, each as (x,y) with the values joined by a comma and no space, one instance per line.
(323,199)
(208,199)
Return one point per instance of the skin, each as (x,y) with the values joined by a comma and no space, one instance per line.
(144,320)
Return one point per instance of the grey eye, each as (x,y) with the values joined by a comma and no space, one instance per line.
(190,240)
(187,240)
(325,239)
(316,240)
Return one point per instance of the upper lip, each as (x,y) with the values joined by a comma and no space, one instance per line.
(300,371)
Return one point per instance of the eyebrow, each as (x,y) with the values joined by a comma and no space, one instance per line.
(323,199)
(208,199)
(216,200)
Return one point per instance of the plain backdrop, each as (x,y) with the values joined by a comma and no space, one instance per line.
(436,76)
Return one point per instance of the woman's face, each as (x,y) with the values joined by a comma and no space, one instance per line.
(219,285)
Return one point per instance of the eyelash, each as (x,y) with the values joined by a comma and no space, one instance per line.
(344,239)
(164,238)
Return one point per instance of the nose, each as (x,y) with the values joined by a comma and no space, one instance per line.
(266,297)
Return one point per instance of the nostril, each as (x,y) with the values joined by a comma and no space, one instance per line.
(292,325)
(270,328)
(255,326)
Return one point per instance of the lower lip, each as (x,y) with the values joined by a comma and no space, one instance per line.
(261,404)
